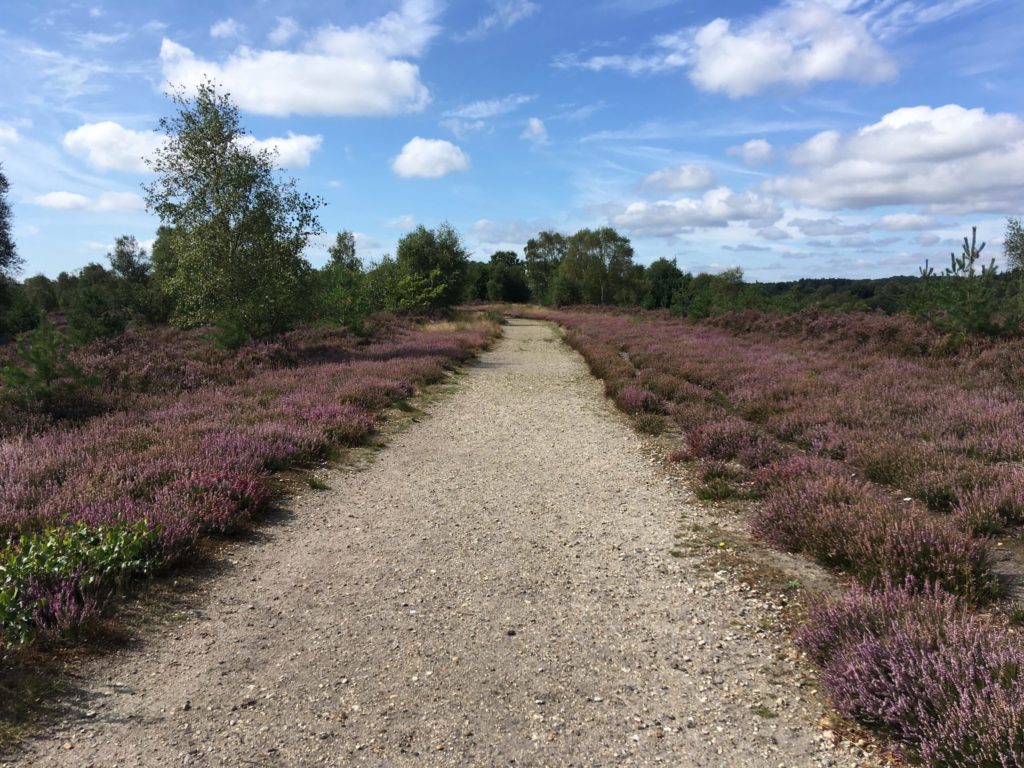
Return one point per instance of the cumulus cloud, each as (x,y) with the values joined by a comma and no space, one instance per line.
(8,133)
(285,30)
(111,146)
(504,15)
(716,208)
(952,159)
(293,151)
(797,43)
(535,131)
(429,159)
(754,151)
(107,202)
(680,178)
(359,70)
(226,28)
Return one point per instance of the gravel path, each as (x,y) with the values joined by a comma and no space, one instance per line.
(495,588)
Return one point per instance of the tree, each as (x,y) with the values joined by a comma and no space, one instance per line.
(234,250)
(436,262)
(662,279)
(544,254)
(1013,245)
(343,253)
(129,260)
(507,278)
(600,263)
(10,263)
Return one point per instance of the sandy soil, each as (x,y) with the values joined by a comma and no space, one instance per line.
(495,588)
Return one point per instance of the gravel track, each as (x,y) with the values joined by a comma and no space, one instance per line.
(494,589)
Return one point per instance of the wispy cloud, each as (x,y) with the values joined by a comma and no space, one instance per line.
(504,15)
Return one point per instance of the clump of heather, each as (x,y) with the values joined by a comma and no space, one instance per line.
(733,439)
(633,399)
(190,449)
(844,523)
(933,678)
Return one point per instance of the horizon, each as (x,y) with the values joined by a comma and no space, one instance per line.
(842,139)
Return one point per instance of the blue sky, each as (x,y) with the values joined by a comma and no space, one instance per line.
(800,139)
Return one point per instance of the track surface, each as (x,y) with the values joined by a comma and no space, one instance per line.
(495,588)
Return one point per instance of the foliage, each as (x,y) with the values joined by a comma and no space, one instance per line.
(44,377)
(807,409)
(343,253)
(1013,245)
(544,254)
(962,299)
(911,662)
(598,265)
(9,259)
(662,281)
(194,430)
(236,232)
(506,280)
(51,579)
(434,262)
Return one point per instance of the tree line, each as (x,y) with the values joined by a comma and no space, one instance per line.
(230,253)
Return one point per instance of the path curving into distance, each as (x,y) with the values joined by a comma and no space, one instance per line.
(494,589)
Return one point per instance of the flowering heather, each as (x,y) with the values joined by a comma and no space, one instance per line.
(911,662)
(196,431)
(879,447)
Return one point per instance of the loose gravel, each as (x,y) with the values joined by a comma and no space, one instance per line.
(496,588)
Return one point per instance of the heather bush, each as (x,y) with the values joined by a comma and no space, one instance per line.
(51,579)
(634,399)
(189,450)
(910,661)
(844,523)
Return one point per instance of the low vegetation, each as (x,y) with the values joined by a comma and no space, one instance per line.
(881,447)
(184,447)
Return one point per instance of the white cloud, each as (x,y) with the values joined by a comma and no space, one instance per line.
(716,208)
(754,151)
(951,159)
(118,202)
(406,222)
(927,239)
(487,108)
(107,202)
(827,227)
(774,233)
(680,178)
(286,29)
(509,235)
(898,222)
(293,151)
(226,28)
(355,71)
(797,43)
(504,15)
(62,201)
(8,133)
(429,159)
(472,117)
(110,146)
(535,131)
